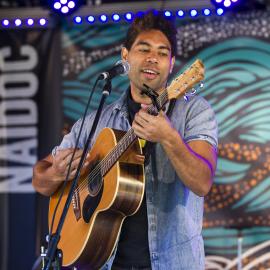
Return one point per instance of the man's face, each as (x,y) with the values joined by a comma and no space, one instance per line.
(150,63)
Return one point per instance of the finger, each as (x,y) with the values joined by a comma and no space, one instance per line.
(67,154)
(77,154)
(140,119)
(59,165)
(63,153)
(140,158)
(145,107)
(138,123)
(77,160)
(146,116)
(73,156)
(86,163)
(74,167)
(139,131)
(72,174)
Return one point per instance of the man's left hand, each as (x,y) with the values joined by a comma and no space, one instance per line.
(152,128)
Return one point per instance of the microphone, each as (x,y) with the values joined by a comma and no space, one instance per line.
(120,68)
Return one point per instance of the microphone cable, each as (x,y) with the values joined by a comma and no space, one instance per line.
(69,166)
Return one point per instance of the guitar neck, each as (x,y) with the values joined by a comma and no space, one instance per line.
(127,139)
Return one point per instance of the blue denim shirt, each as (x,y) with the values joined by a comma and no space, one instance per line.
(174,212)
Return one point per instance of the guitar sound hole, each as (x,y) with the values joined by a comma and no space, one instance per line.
(94,185)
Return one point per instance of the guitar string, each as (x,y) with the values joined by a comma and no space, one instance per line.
(162,99)
(125,139)
(94,173)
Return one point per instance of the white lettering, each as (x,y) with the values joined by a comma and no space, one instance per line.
(19,152)
(22,65)
(19,79)
(18,119)
(16,179)
(14,112)
(18,132)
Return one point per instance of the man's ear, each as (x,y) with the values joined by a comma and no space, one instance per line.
(124,53)
(172,64)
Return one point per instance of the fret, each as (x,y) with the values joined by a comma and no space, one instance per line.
(125,144)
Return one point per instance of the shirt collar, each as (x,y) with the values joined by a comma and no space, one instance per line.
(121,103)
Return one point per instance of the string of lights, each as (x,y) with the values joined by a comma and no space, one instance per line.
(81,12)
(104,18)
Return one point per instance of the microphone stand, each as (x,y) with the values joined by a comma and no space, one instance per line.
(53,254)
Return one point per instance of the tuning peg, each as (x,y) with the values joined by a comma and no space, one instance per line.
(201,84)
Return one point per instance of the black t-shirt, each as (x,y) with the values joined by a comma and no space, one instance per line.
(133,249)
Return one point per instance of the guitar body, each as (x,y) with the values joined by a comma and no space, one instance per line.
(97,211)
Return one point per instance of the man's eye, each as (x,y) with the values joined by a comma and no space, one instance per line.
(144,50)
(163,54)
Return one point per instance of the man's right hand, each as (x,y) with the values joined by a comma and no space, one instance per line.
(61,160)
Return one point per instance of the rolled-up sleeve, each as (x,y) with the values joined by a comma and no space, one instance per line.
(201,123)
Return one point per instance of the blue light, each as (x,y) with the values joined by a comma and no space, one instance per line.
(206,11)
(193,13)
(140,13)
(64,9)
(116,17)
(103,18)
(18,22)
(90,19)
(180,13)
(220,11)
(167,13)
(129,16)
(227,3)
(5,22)
(71,4)
(30,22)
(57,5)
(42,21)
(78,19)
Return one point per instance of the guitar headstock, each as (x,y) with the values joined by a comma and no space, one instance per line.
(180,85)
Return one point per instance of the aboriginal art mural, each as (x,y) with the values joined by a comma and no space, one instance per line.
(235,50)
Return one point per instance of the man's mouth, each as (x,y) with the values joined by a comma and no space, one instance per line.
(150,73)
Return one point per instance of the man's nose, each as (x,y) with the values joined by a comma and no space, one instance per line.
(152,58)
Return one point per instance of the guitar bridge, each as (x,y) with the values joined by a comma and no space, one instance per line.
(76,204)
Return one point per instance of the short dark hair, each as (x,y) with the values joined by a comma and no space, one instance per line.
(152,20)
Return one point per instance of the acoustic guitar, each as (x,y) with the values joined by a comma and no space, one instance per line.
(110,190)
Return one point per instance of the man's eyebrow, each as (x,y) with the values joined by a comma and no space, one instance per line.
(165,47)
(145,43)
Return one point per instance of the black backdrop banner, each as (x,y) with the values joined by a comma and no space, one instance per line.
(25,66)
